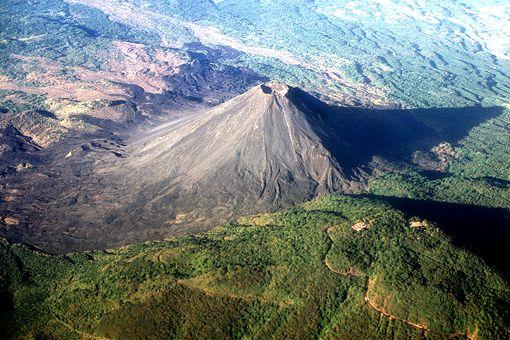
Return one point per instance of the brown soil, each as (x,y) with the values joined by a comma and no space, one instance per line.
(10,221)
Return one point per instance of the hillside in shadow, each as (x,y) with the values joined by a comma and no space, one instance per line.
(483,231)
(356,135)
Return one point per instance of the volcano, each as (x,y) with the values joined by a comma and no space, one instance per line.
(257,151)
(260,151)
(273,146)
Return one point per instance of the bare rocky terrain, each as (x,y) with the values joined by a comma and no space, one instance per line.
(273,146)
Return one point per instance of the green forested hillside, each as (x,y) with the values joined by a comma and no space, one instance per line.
(479,176)
(299,273)
(421,253)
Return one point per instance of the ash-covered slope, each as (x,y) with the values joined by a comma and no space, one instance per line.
(16,149)
(270,147)
(257,152)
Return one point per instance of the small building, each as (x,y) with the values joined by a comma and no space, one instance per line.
(359,226)
(417,223)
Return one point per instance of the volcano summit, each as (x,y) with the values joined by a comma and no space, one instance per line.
(273,146)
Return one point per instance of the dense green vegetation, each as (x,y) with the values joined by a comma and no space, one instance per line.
(480,176)
(71,33)
(299,273)
(423,56)
(386,51)
(263,276)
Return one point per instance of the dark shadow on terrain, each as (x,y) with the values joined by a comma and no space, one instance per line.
(355,135)
(483,231)
(103,123)
(497,182)
(435,175)
(117,103)
(60,214)
(16,148)
(7,305)
(46,113)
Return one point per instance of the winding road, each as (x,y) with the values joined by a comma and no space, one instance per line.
(83,335)
(352,273)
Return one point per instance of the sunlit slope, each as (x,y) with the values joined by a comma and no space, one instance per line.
(297,273)
(271,147)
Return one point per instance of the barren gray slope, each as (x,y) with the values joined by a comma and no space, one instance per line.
(270,147)
(254,153)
